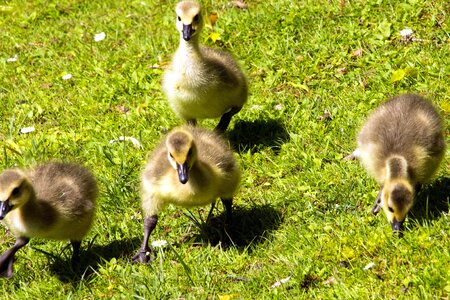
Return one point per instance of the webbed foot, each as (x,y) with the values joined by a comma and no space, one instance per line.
(377,205)
(143,256)
(7,258)
(6,265)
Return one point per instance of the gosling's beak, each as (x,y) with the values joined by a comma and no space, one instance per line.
(183,173)
(397,227)
(187,32)
(4,208)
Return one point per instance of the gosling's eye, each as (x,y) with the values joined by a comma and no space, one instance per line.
(179,19)
(171,156)
(15,192)
(391,209)
(196,18)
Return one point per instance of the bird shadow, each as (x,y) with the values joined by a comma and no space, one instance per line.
(250,227)
(431,201)
(90,259)
(256,135)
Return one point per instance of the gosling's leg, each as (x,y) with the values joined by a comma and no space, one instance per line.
(418,188)
(143,255)
(76,253)
(226,118)
(7,258)
(228,206)
(192,122)
(210,211)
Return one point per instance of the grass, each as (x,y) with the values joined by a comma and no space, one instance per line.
(301,212)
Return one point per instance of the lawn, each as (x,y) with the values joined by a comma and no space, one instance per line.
(303,223)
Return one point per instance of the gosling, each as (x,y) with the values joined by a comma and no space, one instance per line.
(400,145)
(202,82)
(54,201)
(191,167)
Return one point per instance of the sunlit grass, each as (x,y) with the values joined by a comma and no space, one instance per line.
(315,68)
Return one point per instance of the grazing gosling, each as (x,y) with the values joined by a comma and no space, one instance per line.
(202,82)
(191,167)
(53,201)
(400,145)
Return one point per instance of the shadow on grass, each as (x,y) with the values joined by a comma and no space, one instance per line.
(258,134)
(250,227)
(431,201)
(91,259)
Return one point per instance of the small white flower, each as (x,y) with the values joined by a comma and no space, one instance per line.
(66,76)
(159,243)
(12,59)
(280,282)
(133,140)
(27,129)
(143,3)
(330,280)
(256,107)
(406,32)
(99,36)
(278,106)
(368,266)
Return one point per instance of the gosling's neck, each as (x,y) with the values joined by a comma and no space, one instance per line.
(30,207)
(200,174)
(40,217)
(396,167)
(191,47)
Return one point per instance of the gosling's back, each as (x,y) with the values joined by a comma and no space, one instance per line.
(407,126)
(214,150)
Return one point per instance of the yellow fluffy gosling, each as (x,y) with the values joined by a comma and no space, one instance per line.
(191,167)
(400,145)
(202,82)
(53,201)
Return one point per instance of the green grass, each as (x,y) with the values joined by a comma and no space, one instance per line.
(301,212)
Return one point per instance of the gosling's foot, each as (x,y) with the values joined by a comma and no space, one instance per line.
(377,205)
(143,256)
(6,267)
(354,155)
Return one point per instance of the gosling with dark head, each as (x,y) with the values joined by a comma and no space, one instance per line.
(201,82)
(191,167)
(401,145)
(54,201)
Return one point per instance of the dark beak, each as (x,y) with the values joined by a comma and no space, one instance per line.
(187,32)
(4,208)
(183,173)
(397,227)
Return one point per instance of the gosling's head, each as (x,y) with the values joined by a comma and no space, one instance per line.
(15,191)
(181,152)
(397,199)
(189,19)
